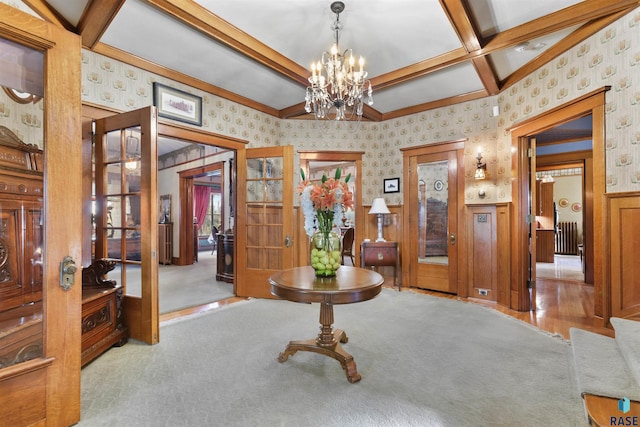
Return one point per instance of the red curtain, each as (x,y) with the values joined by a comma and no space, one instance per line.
(202,195)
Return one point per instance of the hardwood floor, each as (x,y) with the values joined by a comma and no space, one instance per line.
(561,305)
(562,302)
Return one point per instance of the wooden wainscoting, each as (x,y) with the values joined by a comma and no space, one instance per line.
(488,249)
(503,228)
(483,252)
(624,229)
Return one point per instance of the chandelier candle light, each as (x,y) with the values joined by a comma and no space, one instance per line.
(323,204)
(337,85)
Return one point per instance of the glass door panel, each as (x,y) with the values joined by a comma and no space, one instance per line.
(264,213)
(433,196)
(127,214)
(265,220)
(21,206)
(432,243)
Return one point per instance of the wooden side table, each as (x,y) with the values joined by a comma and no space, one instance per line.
(350,285)
(379,254)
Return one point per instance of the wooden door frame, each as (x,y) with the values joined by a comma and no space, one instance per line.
(53,381)
(592,103)
(409,221)
(186,208)
(196,136)
(583,158)
(338,156)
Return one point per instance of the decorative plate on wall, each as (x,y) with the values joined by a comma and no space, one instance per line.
(438,185)
(576,207)
(563,202)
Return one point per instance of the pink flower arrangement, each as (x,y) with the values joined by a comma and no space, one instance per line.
(323,203)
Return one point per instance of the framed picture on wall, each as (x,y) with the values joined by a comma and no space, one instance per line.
(392,185)
(177,105)
(165,209)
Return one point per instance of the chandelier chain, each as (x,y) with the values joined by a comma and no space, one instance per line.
(337,86)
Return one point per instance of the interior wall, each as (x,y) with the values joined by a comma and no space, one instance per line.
(567,195)
(606,58)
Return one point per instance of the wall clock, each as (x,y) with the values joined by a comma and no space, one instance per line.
(438,185)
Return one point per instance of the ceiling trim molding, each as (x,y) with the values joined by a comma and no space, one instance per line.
(568,17)
(95,20)
(47,13)
(471,96)
(459,16)
(487,74)
(213,26)
(579,35)
(593,14)
(149,66)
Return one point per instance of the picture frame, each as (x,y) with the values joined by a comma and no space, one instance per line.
(177,105)
(164,211)
(392,185)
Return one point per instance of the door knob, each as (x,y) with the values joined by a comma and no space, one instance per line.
(452,237)
(67,271)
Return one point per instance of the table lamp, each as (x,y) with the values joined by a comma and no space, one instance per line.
(379,207)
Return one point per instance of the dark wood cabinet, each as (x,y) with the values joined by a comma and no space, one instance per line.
(165,243)
(545,222)
(225,258)
(380,254)
(102,324)
(21,246)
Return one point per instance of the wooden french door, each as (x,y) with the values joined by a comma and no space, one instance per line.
(46,390)
(126,175)
(432,215)
(264,218)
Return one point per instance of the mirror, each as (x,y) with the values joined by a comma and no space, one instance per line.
(433,194)
(21,204)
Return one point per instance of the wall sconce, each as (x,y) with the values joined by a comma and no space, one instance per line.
(481,168)
(379,207)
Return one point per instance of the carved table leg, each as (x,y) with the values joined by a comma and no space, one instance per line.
(327,343)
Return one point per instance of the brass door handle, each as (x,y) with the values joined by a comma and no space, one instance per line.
(452,237)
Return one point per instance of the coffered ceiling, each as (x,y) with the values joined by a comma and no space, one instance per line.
(420,54)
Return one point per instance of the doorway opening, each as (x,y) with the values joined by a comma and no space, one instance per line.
(198,178)
(523,297)
(319,163)
(564,176)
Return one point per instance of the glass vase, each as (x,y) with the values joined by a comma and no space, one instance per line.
(326,253)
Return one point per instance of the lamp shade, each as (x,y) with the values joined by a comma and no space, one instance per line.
(379,206)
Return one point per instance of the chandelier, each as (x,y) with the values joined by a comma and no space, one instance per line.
(337,85)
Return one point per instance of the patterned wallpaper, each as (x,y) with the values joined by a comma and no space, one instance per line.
(610,57)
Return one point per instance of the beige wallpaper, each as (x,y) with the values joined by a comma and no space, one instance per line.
(610,57)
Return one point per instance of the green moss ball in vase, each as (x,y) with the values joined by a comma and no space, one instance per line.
(326,253)
(321,202)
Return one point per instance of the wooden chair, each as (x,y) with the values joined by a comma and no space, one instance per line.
(214,234)
(347,244)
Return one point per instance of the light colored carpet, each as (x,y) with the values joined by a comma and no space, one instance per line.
(424,361)
(182,286)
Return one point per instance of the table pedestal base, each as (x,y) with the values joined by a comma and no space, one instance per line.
(327,343)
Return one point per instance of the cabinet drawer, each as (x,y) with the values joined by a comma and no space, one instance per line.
(379,254)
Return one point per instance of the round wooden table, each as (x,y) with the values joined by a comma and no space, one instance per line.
(350,285)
